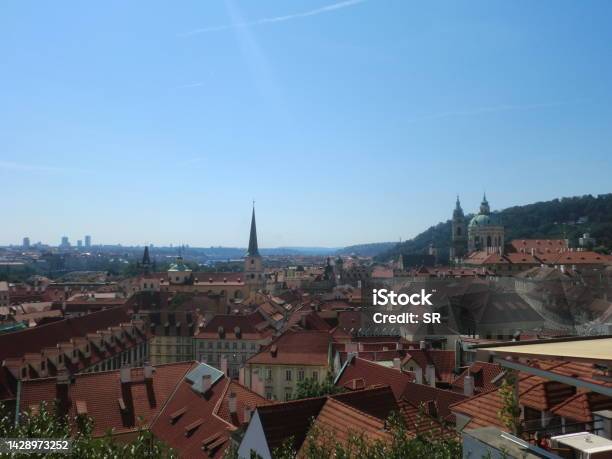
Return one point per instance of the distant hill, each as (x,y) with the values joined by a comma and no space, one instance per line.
(560,218)
(366,250)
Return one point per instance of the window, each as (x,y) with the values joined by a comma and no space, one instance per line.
(315,375)
(288,375)
(218,344)
(210,345)
(226,345)
(287,396)
(300,375)
(252,346)
(268,374)
(234,345)
(243,346)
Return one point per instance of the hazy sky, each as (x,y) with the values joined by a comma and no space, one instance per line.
(348,122)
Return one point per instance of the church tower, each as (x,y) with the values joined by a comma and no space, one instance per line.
(253,265)
(459,234)
(146,261)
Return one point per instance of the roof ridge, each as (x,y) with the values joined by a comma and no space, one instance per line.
(363,413)
(171,396)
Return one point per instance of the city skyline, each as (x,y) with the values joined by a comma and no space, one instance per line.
(327,113)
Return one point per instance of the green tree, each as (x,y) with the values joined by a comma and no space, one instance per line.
(46,424)
(322,444)
(310,387)
(510,412)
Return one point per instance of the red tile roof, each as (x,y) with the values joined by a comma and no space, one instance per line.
(342,422)
(245,325)
(359,373)
(304,347)
(100,394)
(197,425)
(580,407)
(442,360)
(484,375)
(34,339)
(419,423)
(289,420)
(534,392)
(539,245)
(422,395)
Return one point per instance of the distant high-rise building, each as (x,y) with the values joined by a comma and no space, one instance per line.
(26,242)
(65,242)
(88,241)
(79,244)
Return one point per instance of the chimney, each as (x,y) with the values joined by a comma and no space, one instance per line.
(62,386)
(397,363)
(206,383)
(247,414)
(148,371)
(468,385)
(422,345)
(232,402)
(224,365)
(273,350)
(419,374)
(125,374)
(431,375)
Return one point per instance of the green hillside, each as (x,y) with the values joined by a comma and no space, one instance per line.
(560,218)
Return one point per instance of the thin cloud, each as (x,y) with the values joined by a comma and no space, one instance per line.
(26,167)
(482,110)
(276,19)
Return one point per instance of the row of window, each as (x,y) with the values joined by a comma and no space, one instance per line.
(226,345)
(300,374)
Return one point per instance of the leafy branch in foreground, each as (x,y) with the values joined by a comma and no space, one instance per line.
(46,424)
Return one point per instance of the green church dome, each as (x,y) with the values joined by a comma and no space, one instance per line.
(485,220)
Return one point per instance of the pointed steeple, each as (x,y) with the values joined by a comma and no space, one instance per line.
(253,251)
(458,212)
(484,205)
(146,260)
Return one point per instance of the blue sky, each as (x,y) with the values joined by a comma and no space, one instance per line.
(347,121)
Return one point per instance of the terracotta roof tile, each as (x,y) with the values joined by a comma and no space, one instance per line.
(368,374)
(304,347)
(197,425)
(100,393)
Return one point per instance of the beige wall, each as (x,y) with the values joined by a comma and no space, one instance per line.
(277,386)
(169,349)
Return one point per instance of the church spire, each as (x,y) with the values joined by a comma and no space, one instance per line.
(484,205)
(458,212)
(253,251)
